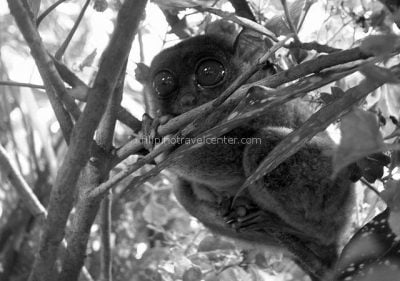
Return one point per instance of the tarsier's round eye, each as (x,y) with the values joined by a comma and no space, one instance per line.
(209,72)
(164,83)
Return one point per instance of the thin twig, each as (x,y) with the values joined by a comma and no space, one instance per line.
(60,52)
(19,84)
(370,186)
(48,11)
(23,189)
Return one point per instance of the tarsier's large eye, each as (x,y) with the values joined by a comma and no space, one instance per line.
(164,83)
(209,72)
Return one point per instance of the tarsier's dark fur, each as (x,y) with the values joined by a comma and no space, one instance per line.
(303,211)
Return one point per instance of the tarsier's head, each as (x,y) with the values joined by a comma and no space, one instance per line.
(191,73)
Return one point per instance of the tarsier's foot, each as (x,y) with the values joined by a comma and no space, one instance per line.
(244,216)
(236,214)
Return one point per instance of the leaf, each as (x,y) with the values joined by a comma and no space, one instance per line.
(360,137)
(379,44)
(370,167)
(88,61)
(212,243)
(155,213)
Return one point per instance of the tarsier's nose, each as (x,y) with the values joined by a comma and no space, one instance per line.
(187,100)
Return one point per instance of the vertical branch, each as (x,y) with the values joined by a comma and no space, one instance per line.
(95,172)
(61,198)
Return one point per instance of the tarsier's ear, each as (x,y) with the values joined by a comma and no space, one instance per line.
(142,73)
(223,29)
(250,45)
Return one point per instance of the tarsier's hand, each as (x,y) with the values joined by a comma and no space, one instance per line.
(235,213)
(149,136)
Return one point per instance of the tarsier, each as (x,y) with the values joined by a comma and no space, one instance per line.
(303,212)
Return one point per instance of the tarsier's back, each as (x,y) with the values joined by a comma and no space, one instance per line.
(296,206)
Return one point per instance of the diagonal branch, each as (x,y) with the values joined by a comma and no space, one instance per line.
(312,66)
(25,192)
(52,81)
(256,110)
(295,90)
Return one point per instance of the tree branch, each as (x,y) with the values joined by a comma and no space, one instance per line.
(95,172)
(257,110)
(61,198)
(54,86)
(282,96)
